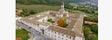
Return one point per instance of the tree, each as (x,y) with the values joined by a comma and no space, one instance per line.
(27,12)
(94,28)
(90,32)
(62,22)
(92,37)
(32,12)
(50,20)
(87,31)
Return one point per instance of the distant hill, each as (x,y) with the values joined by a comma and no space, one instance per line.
(58,2)
(84,2)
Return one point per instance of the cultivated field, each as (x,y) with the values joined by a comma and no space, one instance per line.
(37,7)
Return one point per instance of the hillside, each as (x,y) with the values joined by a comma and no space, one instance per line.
(58,2)
(84,2)
(37,7)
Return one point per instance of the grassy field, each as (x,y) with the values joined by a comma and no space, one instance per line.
(75,11)
(37,7)
(22,34)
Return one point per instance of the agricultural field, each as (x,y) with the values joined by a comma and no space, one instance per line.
(37,7)
(75,11)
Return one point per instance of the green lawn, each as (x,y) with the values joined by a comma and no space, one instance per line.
(37,7)
(22,34)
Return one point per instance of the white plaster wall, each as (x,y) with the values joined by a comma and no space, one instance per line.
(51,33)
(78,38)
(40,20)
(42,26)
(57,36)
(45,19)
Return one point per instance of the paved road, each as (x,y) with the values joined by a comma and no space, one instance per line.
(35,33)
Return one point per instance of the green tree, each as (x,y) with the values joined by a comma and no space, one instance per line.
(32,12)
(27,12)
(87,31)
(50,20)
(92,37)
(94,28)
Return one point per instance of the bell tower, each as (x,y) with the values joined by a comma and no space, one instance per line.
(62,6)
(62,11)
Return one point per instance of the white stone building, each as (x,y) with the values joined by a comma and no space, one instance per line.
(73,31)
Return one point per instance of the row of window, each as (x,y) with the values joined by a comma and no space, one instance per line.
(57,35)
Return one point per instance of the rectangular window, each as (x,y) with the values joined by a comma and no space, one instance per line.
(70,37)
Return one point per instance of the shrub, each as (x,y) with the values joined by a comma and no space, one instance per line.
(50,20)
(27,12)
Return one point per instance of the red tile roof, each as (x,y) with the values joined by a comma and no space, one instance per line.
(19,38)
